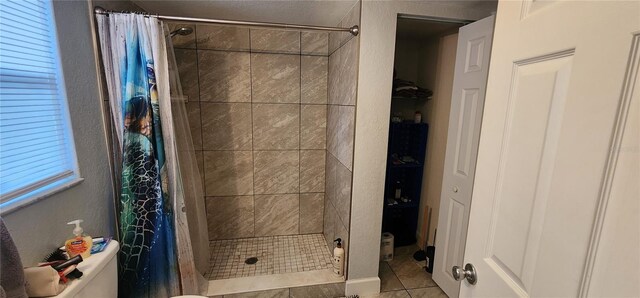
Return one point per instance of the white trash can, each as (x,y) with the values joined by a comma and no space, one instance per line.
(386,247)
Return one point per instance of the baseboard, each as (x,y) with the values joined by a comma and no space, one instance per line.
(362,286)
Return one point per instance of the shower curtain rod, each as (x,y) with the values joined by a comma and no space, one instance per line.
(353,30)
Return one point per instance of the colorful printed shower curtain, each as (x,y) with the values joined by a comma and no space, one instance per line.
(135,61)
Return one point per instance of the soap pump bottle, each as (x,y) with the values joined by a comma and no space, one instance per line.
(338,258)
(80,244)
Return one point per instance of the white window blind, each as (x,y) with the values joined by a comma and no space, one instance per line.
(36,145)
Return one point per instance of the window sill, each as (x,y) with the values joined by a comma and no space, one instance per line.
(12,206)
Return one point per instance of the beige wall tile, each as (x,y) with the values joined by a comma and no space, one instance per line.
(276,126)
(353,17)
(335,40)
(200,162)
(311,212)
(343,74)
(312,166)
(344,37)
(314,43)
(223,37)
(333,80)
(287,138)
(276,172)
(313,126)
(278,41)
(230,217)
(193,113)
(348,75)
(183,41)
(226,126)
(340,132)
(187,61)
(338,39)
(330,177)
(314,79)
(228,173)
(330,222)
(277,214)
(275,78)
(342,200)
(332,128)
(346,120)
(224,76)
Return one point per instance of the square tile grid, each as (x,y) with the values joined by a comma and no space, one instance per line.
(276,254)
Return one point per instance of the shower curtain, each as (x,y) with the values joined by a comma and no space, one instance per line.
(159,191)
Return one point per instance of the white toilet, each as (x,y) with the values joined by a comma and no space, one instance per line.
(100,275)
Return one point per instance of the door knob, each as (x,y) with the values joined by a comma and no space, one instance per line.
(455,189)
(469,273)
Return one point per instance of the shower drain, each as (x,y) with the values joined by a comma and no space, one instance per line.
(251,260)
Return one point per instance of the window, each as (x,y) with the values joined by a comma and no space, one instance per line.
(37,154)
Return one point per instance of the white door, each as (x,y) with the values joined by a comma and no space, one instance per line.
(469,86)
(560,83)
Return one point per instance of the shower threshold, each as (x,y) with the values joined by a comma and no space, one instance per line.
(237,285)
(272,262)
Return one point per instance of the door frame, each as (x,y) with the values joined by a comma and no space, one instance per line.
(409,16)
(461,22)
(376,55)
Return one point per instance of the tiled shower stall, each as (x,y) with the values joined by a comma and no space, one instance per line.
(272,118)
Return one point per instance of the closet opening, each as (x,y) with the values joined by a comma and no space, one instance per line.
(422,82)
(439,79)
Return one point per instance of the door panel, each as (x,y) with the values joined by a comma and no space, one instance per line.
(538,99)
(475,54)
(467,100)
(455,223)
(553,98)
(465,147)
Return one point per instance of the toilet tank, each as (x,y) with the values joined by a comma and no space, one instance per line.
(100,275)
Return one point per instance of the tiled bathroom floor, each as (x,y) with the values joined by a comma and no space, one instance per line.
(404,277)
(276,254)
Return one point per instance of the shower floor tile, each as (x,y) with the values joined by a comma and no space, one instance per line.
(276,254)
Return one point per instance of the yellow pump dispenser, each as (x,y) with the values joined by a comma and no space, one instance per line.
(80,244)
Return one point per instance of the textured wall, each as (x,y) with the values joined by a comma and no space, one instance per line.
(41,227)
(343,76)
(258,114)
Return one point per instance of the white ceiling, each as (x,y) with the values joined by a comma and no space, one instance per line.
(306,12)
